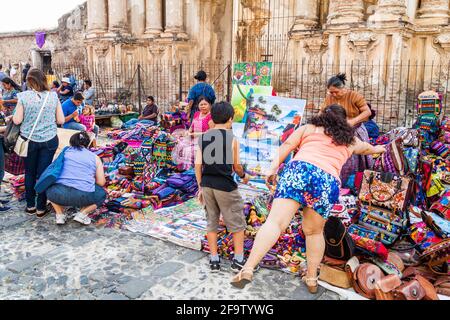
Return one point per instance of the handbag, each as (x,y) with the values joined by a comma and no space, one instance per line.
(339,244)
(365,242)
(21,147)
(389,226)
(411,290)
(386,190)
(436,254)
(335,276)
(442,206)
(384,288)
(51,174)
(10,136)
(440,226)
(364,279)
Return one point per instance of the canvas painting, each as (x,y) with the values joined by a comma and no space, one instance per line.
(253,73)
(243,96)
(267,116)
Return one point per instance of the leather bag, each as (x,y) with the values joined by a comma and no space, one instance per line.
(386,190)
(430,291)
(335,276)
(339,244)
(364,279)
(384,288)
(411,290)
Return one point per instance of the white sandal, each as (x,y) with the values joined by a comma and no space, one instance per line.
(244,277)
(312,289)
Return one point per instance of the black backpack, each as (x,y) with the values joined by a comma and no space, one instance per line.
(339,243)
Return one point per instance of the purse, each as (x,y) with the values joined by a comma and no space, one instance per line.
(334,276)
(442,286)
(21,147)
(440,226)
(442,206)
(51,174)
(339,244)
(436,255)
(384,288)
(411,290)
(364,279)
(386,190)
(364,241)
(388,225)
(10,136)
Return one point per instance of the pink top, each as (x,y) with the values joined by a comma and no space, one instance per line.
(88,122)
(201,123)
(318,149)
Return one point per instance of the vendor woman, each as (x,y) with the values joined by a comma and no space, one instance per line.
(202,121)
(358,112)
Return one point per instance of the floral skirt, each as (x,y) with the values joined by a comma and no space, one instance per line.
(310,186)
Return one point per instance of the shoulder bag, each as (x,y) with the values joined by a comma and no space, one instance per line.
(51,174)
(21,147)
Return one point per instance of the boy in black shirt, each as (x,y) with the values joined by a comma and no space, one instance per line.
(216,159)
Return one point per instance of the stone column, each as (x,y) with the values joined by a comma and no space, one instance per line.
(411,8)
(389,11)
(433,12)
(345,11)
(97,21)
(137,8)
(117,15)
(174,20)
(307,15)
(153,14)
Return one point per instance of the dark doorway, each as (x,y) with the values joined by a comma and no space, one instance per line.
(46,61)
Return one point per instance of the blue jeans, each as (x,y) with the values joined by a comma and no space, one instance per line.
(74,126)
(70,197)
(96,131)
(2,161)
(40,156)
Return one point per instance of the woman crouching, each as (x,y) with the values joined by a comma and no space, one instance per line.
(80,183)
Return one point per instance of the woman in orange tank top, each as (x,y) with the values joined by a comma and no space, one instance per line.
(310,180)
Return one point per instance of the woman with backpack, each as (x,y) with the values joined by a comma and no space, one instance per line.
(80,182)
(310,180)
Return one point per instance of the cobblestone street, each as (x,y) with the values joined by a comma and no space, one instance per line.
(39,260)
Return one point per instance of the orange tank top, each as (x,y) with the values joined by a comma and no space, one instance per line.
(318,149)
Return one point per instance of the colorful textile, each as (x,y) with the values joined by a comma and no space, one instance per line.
(310,186)
(357,163)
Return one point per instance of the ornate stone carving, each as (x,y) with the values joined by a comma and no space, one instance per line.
(315,47)
(362,42)
(101,49)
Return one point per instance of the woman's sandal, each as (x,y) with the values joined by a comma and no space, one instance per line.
(244,277)
(312,289)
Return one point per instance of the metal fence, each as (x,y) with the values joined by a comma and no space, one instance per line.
(391,89)
(117,83)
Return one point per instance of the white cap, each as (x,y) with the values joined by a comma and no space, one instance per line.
(67,80)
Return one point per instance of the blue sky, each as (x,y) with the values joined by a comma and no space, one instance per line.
(23,15)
